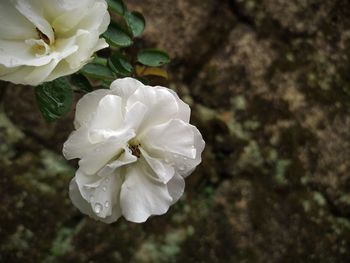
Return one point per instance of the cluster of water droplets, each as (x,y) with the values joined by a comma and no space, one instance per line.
(98,207)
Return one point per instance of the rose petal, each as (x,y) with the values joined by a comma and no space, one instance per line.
(141,196)
(13,25)
(184,165)
(161,105)
(125,158)
(134,115)
(176,187)
(85,207)
(108,114)
(163,170)
(174,136)
(77,144)
(86,41)
(87,105)
(96,18)
(184,111)
(105,196)
(104,152)
(125,87)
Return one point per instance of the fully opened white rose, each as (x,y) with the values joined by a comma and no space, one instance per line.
(135,146)
(41,40)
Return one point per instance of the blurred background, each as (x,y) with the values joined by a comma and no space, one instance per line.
(269,86)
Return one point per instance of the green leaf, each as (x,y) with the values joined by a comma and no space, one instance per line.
(120,65)
(80,82)
(153,57)
(97,71)
(54,98)
(100,61)
(136,22)
(117,6)
(117,36)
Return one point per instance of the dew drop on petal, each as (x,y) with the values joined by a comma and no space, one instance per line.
(98,208)
(176,156)
(107,180)
(104,189)
(106,204)
(91,198)
(166,160)
(182,168)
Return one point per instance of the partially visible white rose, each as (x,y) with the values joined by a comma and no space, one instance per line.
(41,40)
(135,146)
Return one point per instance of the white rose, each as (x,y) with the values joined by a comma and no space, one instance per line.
(41,40)
(135,146)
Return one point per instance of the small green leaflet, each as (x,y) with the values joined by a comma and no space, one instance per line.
(117,36)
(97,71)
(136,22)
(120,65)
(117,6)
(153,57)
(81,83)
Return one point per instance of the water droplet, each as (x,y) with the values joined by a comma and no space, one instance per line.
(104,189)
(185,158)
(182,167)
(106,204)
(107,180)
(176,156)
(98,208)
(166,160)
(92,198)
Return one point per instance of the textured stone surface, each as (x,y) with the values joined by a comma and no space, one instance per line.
(269,86)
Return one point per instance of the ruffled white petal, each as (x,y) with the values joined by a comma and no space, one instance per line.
(87,105)
(13,25)
(161,105)
(77,144)
(163,171)
(184,111)
(183,165)
(86,41)
(85,207)
(176,187)
(124,159)
(103,153)
(18,53)
(96,18)
(174,136)
(142,196)
(125,87)
(134,115)
(108,115)
(106,196)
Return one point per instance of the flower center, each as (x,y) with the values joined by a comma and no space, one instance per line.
(134,148)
